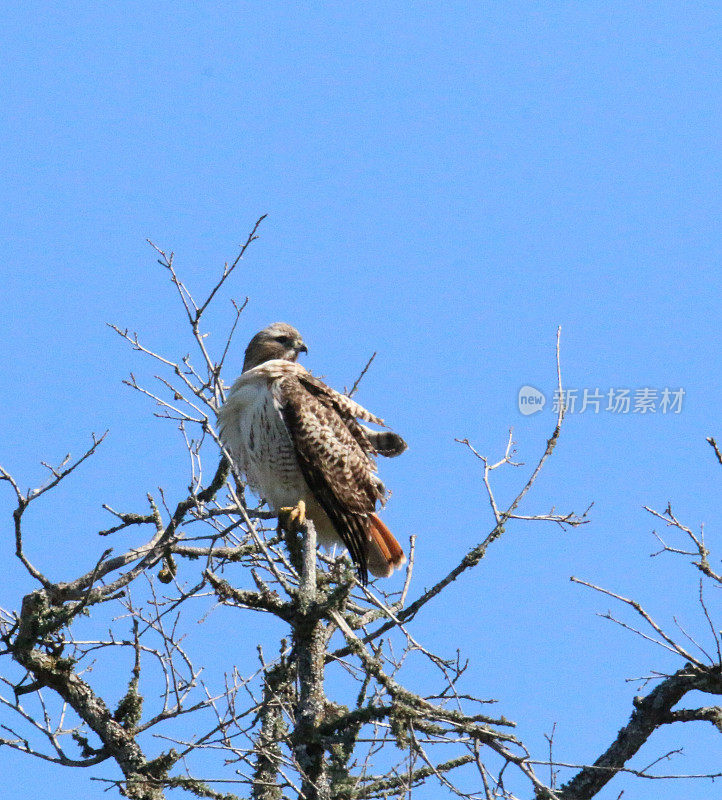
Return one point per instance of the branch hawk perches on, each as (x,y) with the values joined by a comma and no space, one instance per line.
(296,439)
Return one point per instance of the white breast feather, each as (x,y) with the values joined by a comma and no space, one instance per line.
(254,433)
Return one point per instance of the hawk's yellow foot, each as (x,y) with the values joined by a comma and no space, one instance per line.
(292,518)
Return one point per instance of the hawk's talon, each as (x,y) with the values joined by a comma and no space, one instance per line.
(292,518)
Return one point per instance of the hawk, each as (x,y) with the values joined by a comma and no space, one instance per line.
(296,439)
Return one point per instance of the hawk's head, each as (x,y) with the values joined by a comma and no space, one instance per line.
(279,340)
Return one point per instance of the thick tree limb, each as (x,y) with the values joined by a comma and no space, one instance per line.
(649,713)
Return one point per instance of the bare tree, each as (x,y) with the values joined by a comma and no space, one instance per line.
(279,731)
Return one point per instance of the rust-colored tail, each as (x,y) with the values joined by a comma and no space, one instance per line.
(384,552)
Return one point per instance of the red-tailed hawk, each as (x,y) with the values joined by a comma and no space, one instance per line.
(295,439)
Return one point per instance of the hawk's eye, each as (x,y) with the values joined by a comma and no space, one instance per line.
(284,340)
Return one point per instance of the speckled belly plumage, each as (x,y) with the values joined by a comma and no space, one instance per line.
(255,434)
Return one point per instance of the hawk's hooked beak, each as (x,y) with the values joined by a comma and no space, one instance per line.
(301,348)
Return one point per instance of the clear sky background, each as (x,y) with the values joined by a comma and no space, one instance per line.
(445,184)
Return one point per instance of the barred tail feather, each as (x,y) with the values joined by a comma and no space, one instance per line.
(385,443)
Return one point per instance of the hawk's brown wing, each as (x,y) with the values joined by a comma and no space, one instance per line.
(336,466)
(385,443)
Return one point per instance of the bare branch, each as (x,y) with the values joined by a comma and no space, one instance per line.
(713,445)
(673,646)
(649,713)
(360,377)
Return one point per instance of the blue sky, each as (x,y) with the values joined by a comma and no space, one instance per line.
(445,184)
